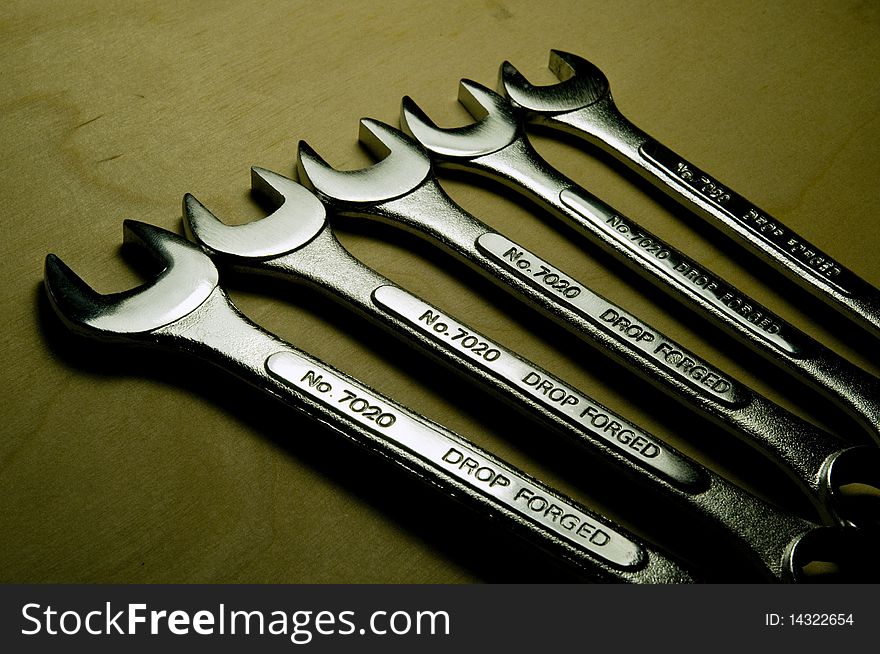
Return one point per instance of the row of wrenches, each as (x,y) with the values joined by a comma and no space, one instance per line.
(185,308)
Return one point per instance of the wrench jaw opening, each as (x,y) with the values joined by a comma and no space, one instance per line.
(581,84)
(850,487)
(495,128)
(76,303)
(187,279)
(833,555)
(298,218)
(402,166)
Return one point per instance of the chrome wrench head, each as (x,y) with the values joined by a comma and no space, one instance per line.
(338,188)
(186,280)
(843,478)
(851,555)
(402,167)
(299,217)
(581,85)
(191,312)
(495,128)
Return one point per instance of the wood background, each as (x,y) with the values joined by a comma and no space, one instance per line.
(116,467)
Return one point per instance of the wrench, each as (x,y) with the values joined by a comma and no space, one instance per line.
(582,105)
(185,309)
(401,190)
(497,147)
(295,243)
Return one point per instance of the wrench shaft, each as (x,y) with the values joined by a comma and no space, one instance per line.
(798,447)
(218,333)
(603,125)
(327,266)
(764,536)
(854,390)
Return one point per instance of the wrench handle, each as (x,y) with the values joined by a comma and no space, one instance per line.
(556,523)
(529,388)
(794,444)
(329,267)
(518,166)
(816,271)
(533,389)
(656,356)
(856,391)
(764,535)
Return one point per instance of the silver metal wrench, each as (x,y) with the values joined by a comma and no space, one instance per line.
(295,243)
(401,190)
(497,147)
(582,105)
(185,309)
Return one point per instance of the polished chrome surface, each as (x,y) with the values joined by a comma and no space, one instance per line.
(496,126)
(582,105)
(696,282)
(763,533)
(798,447)
(393,176)
(184,282)
(581,84)
(209,326)
(686,367)
(501,151)
(276,235)
(432,445)
(553,395)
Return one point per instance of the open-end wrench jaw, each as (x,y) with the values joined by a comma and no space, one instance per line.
(857,466)
(299,217)
(581,84)
(186,280)
(852,554)
(402,167)
(495,128)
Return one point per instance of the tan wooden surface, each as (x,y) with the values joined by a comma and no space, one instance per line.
(116,467)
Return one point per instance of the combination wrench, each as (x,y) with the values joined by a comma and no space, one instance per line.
(185,309)
(581,105)
(296,243)
(496,146)
(401,189)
